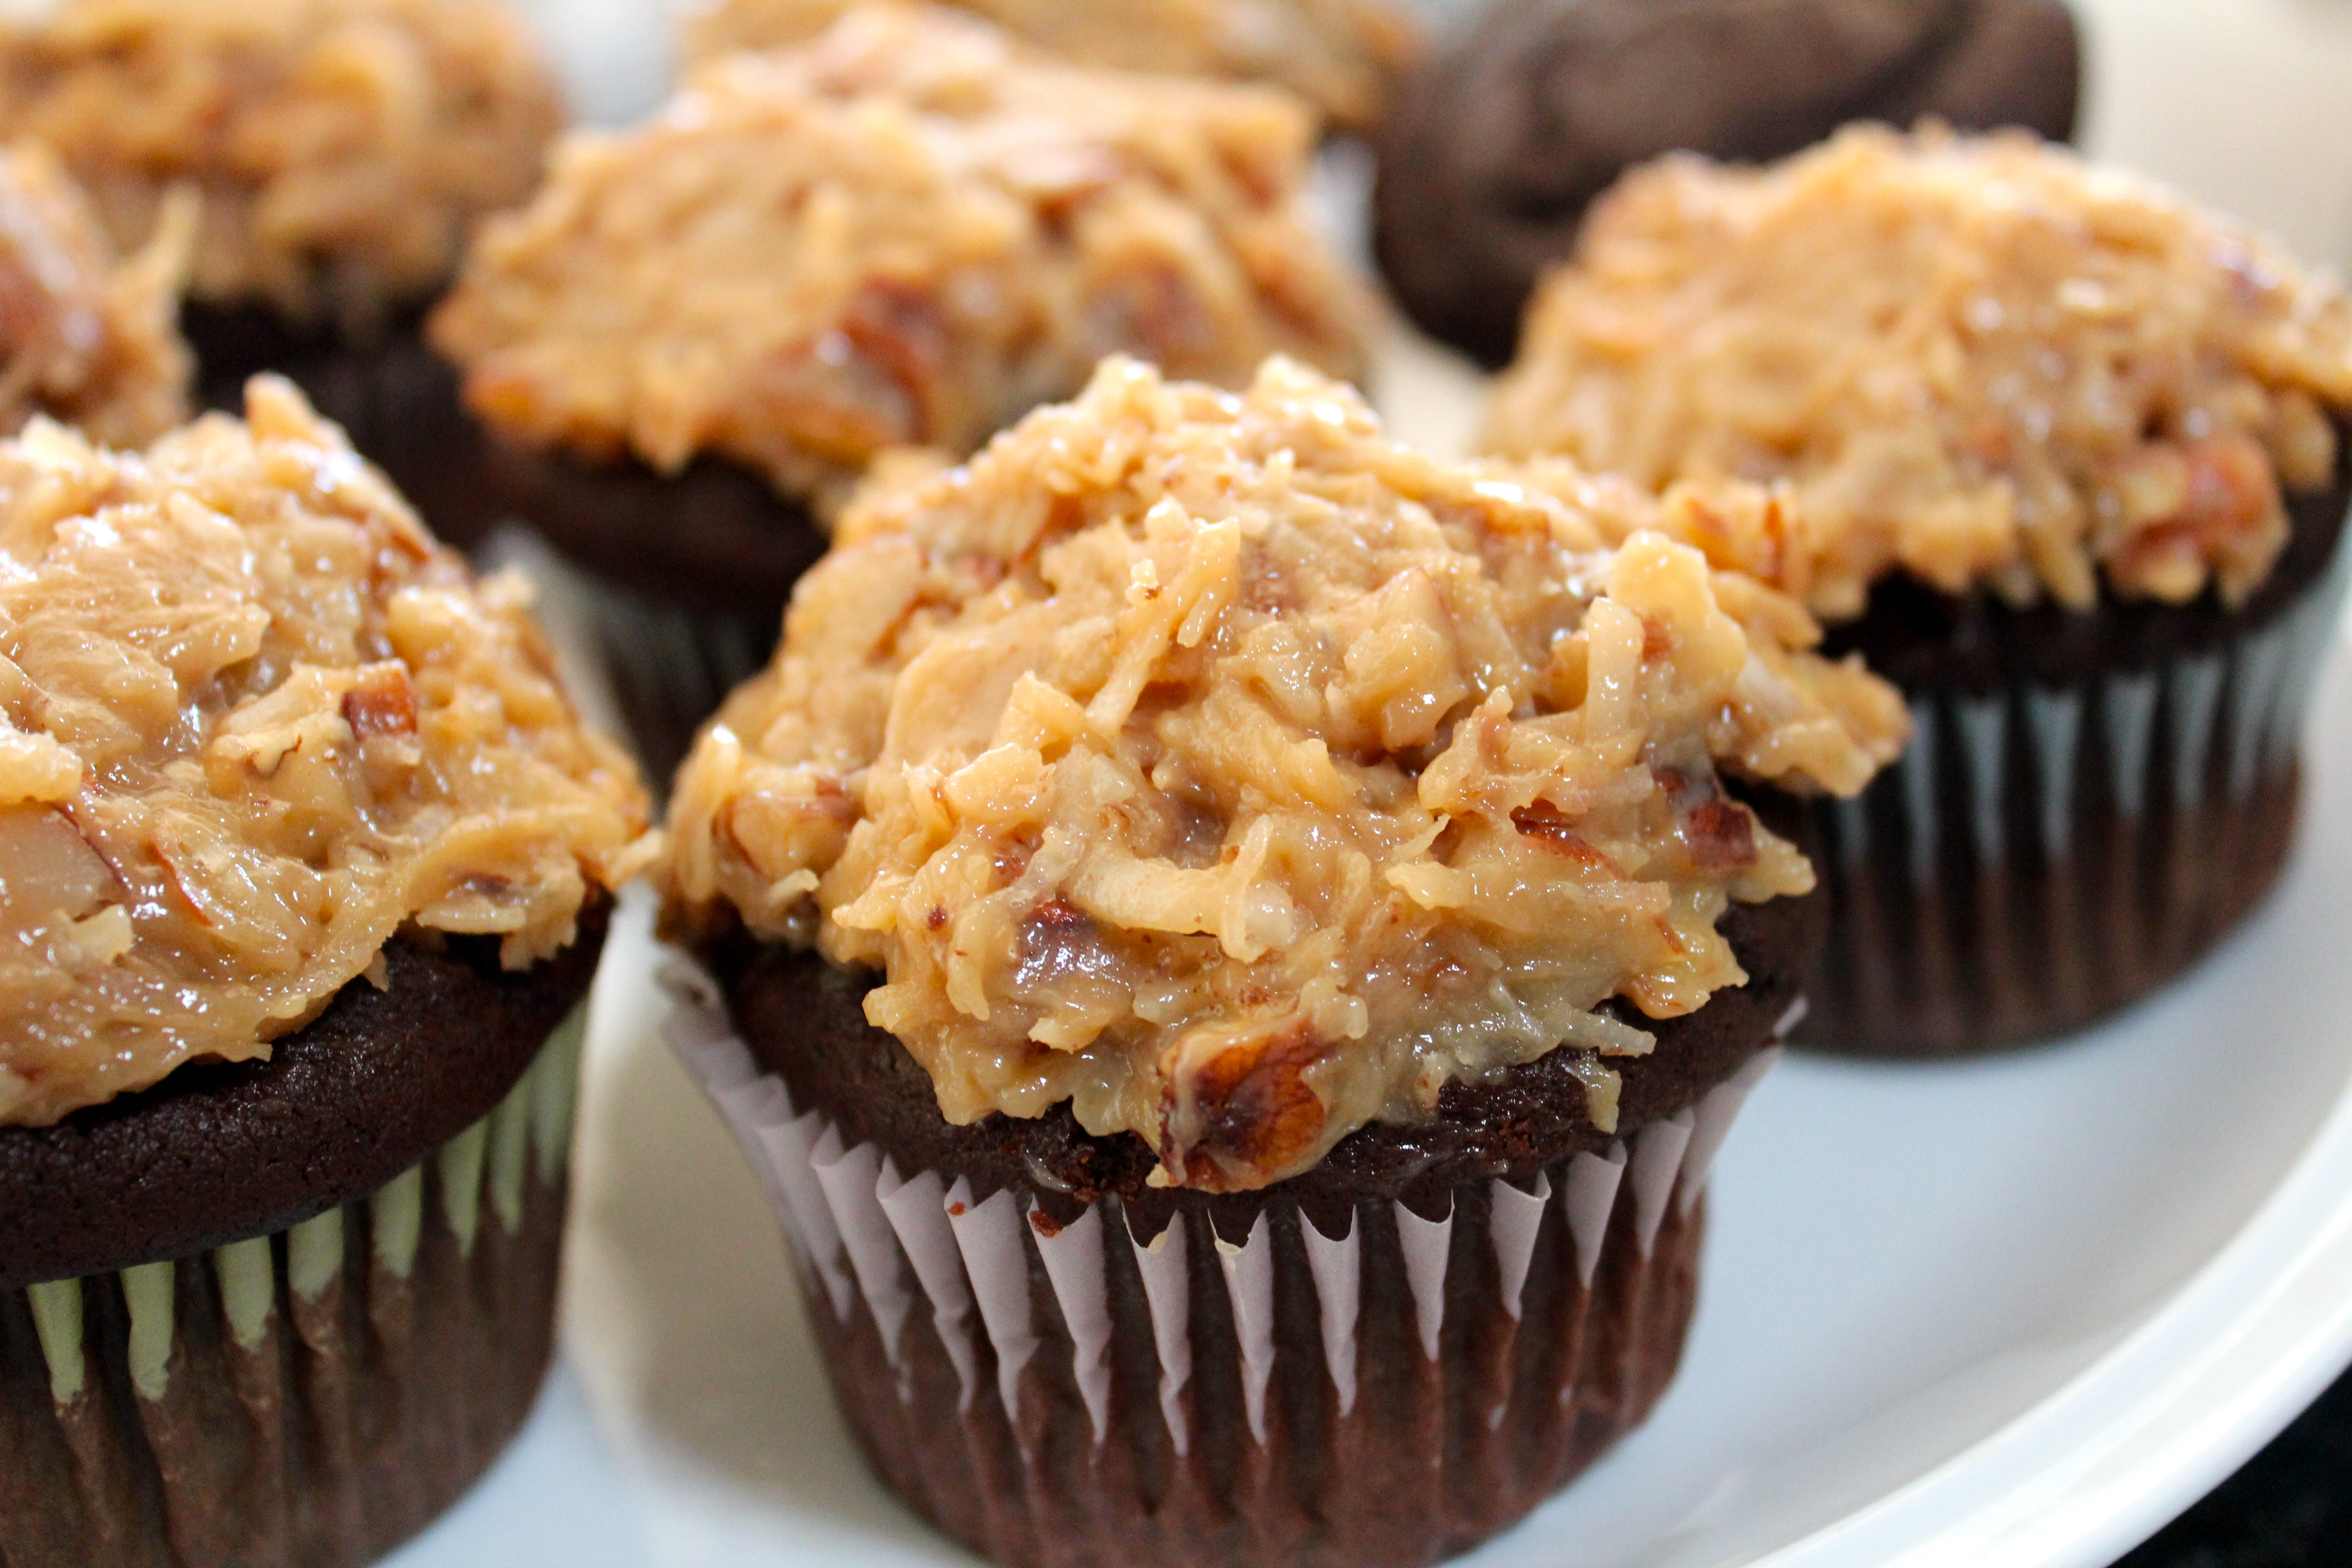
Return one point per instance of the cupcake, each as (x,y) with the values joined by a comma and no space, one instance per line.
(1232,946)
(339,150)
(907,233)
(87,336)
(309,862)
(2070,464)
(1499,142)
(1344,56)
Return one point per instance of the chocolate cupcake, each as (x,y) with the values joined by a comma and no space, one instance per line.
(2067,465)
(307,865)
(907,234)
(338,149)
(1234,974)
(1344,56)
(1498,143)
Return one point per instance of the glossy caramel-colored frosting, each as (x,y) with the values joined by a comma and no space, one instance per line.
(254,723)
(341,148)
(1978,361)
(1239,776)
(88,338)
(910,232)
(1342,55)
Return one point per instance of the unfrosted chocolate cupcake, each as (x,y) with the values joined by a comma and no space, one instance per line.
(1344,56)
(1234,979)
(907,233)
(1499,142)
(338,149)
(2066,462)
(308,864)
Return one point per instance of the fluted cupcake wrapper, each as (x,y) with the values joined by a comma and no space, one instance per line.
(1389,1394)
(307,1398)
(2043,854)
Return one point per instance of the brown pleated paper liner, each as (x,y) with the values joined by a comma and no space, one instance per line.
(2046,854)
(1373,1386)
(309,1399)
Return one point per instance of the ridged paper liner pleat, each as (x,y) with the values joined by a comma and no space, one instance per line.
(309,1398)
(1389,1394)
(2044,855)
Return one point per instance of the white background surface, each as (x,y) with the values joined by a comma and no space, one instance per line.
(2013,1312)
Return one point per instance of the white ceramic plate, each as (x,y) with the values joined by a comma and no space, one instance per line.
(2015,1312)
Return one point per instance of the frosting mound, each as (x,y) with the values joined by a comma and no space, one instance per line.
(1978,361)
(340,146)
(909,233)
(1342,55)
(1533,107)
(1241,776)
(85,337)
(253,722)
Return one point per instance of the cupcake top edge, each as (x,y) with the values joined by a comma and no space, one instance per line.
(1978,359)
(255,724)
(88,337)
(1345,57)
(340,148)
(1239,776)
(910,232)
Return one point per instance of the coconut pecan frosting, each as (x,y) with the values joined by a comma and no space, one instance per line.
(254,724)
(1342,55)
(910,232)
(339,147)
(1241,776)
(1978,361)
(86,337)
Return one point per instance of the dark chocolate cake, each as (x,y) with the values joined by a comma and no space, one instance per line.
(358,1242)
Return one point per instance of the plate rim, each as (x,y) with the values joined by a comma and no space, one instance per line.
(2183,1398)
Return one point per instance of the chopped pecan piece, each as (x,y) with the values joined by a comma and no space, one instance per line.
(381,702)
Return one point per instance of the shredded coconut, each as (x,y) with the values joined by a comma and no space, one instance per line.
(909,233)
(1241,776)
(341,147)
(86,338)
(1342,55)
(1977,359)
(253,722)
